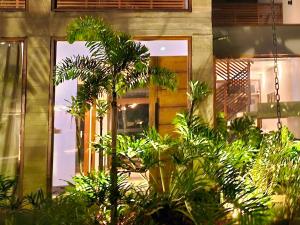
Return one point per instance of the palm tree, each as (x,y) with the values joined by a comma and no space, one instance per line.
(102,108)
(116,64)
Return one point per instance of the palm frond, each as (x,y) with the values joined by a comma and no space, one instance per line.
(89,28)
(78,107)
(199,91)
(163,77)
(102,107)
(82,68)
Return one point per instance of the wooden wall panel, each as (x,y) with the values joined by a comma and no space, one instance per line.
(182,80)
(166,113)
(172,99)
(89,136)
(12,4)
(224,14)
(120,4)
(170,102)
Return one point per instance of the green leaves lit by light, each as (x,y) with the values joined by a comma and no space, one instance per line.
(163,77)
(77,107)
(198,92)
(102,106)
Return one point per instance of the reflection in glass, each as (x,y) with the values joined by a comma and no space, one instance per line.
(68,132)
(133,118)
(11,55)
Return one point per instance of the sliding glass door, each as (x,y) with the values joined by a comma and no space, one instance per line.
(11,63)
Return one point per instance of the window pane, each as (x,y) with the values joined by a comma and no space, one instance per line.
(248,86)
(137,93)
(65,151)
(133,118)
(133,115)
(11,55)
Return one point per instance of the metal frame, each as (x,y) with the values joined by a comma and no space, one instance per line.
(51,117)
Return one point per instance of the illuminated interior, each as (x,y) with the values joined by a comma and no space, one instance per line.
(261,99)
(133,117)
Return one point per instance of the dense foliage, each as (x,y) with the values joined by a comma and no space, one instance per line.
(200,176)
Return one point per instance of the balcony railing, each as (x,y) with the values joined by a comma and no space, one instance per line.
(245,14)
(121,4)
(12,4)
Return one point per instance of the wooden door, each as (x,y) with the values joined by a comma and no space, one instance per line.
(165,104)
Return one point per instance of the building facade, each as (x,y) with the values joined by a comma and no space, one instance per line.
(243,46)
(29,31)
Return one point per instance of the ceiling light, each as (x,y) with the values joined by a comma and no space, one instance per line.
(163,48)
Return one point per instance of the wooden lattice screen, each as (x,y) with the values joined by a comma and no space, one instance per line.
(232,86)
(12,4)
(245,14)
(121,4)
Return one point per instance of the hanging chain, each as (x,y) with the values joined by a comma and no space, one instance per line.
(275,56)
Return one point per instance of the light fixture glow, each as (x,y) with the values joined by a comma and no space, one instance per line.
(132,106)
(163,48)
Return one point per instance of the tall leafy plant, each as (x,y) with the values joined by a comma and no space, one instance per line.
(102,108)
(270,161)
(116,64)
(203,185)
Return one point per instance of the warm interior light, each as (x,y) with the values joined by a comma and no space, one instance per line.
(139,122)
(132,106)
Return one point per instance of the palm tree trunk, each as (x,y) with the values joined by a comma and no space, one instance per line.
(80,150)
(101,150)
(114,192)
(191,112)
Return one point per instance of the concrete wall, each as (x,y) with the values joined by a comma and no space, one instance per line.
(251,41)
(38,24)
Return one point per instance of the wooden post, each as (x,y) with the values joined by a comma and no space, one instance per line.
(249,85)
(226,89)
